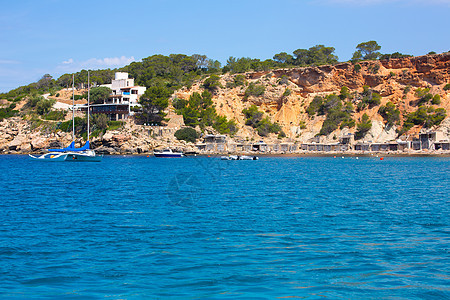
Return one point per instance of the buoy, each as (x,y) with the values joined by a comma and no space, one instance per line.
(381,158)
(335,156)
(209,155)
(357,157)
(148,155)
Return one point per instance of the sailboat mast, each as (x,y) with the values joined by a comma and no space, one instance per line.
(73,107)
(89,88)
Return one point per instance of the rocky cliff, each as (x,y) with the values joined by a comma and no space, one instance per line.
(395,80)
(287,95)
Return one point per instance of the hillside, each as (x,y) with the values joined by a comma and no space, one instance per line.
(400,97)
(395,80)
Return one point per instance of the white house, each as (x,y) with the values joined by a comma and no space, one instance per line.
(125,95)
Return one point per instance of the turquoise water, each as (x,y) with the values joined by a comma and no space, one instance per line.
(202,228)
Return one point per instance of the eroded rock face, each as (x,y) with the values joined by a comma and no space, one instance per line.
(288,93)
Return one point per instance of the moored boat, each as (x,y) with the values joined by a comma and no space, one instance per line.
(167,153)
(239,157)
(71,153)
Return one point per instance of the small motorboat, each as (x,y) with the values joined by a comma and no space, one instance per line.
(167,153)
(238,157)
(230,157)
(247,157)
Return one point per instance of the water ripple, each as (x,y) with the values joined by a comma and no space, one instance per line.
(132,228)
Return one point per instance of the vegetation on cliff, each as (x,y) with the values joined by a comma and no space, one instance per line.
(162,75)
(263,125)
(200,111)
(338,114)
(187,134)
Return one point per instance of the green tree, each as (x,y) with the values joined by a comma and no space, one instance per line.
(314,106)
(436,99)
(253,116)
(317,55)
(99,94)
(44,105)
(283,58)
(363,127)
(212,83)
(99,121)
(394,55)
(390,113)
(345,93)
(187,134)
(153,103)
(263,126)
(367,51)
(45,82)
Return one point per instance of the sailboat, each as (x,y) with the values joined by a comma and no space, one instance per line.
(71,153)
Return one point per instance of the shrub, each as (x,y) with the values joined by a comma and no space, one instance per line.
(281,134)
(187,134)
(55,115)
(447,87)
(262,125)
(421,92)
(425,99)
(426,116)
(67,125)
(238,80)
(314,106)
(375,69)
(357,68)
(283,80)
(333,121)
(331,102)
(390,113)
(436,100)
(254,90)
(7,112)
(363,127)
(406,90)
(223,126)
(344,93)
(348,122)
(43,106)
(179,104)
(212,83)
(370,99)
(114,125)
(287,92)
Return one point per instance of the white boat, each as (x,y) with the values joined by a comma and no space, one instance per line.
(229,157)
(167,153)
(246,157)
(238,157)
(71,153)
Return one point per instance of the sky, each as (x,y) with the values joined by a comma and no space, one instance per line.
(55,37)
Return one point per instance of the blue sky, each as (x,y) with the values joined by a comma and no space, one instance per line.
(64,36)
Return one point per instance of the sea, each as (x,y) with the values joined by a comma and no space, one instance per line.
(138,227)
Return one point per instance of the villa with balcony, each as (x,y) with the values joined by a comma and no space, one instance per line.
(125,95)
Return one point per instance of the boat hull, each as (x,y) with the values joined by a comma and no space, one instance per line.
(168,154)
(70,156)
